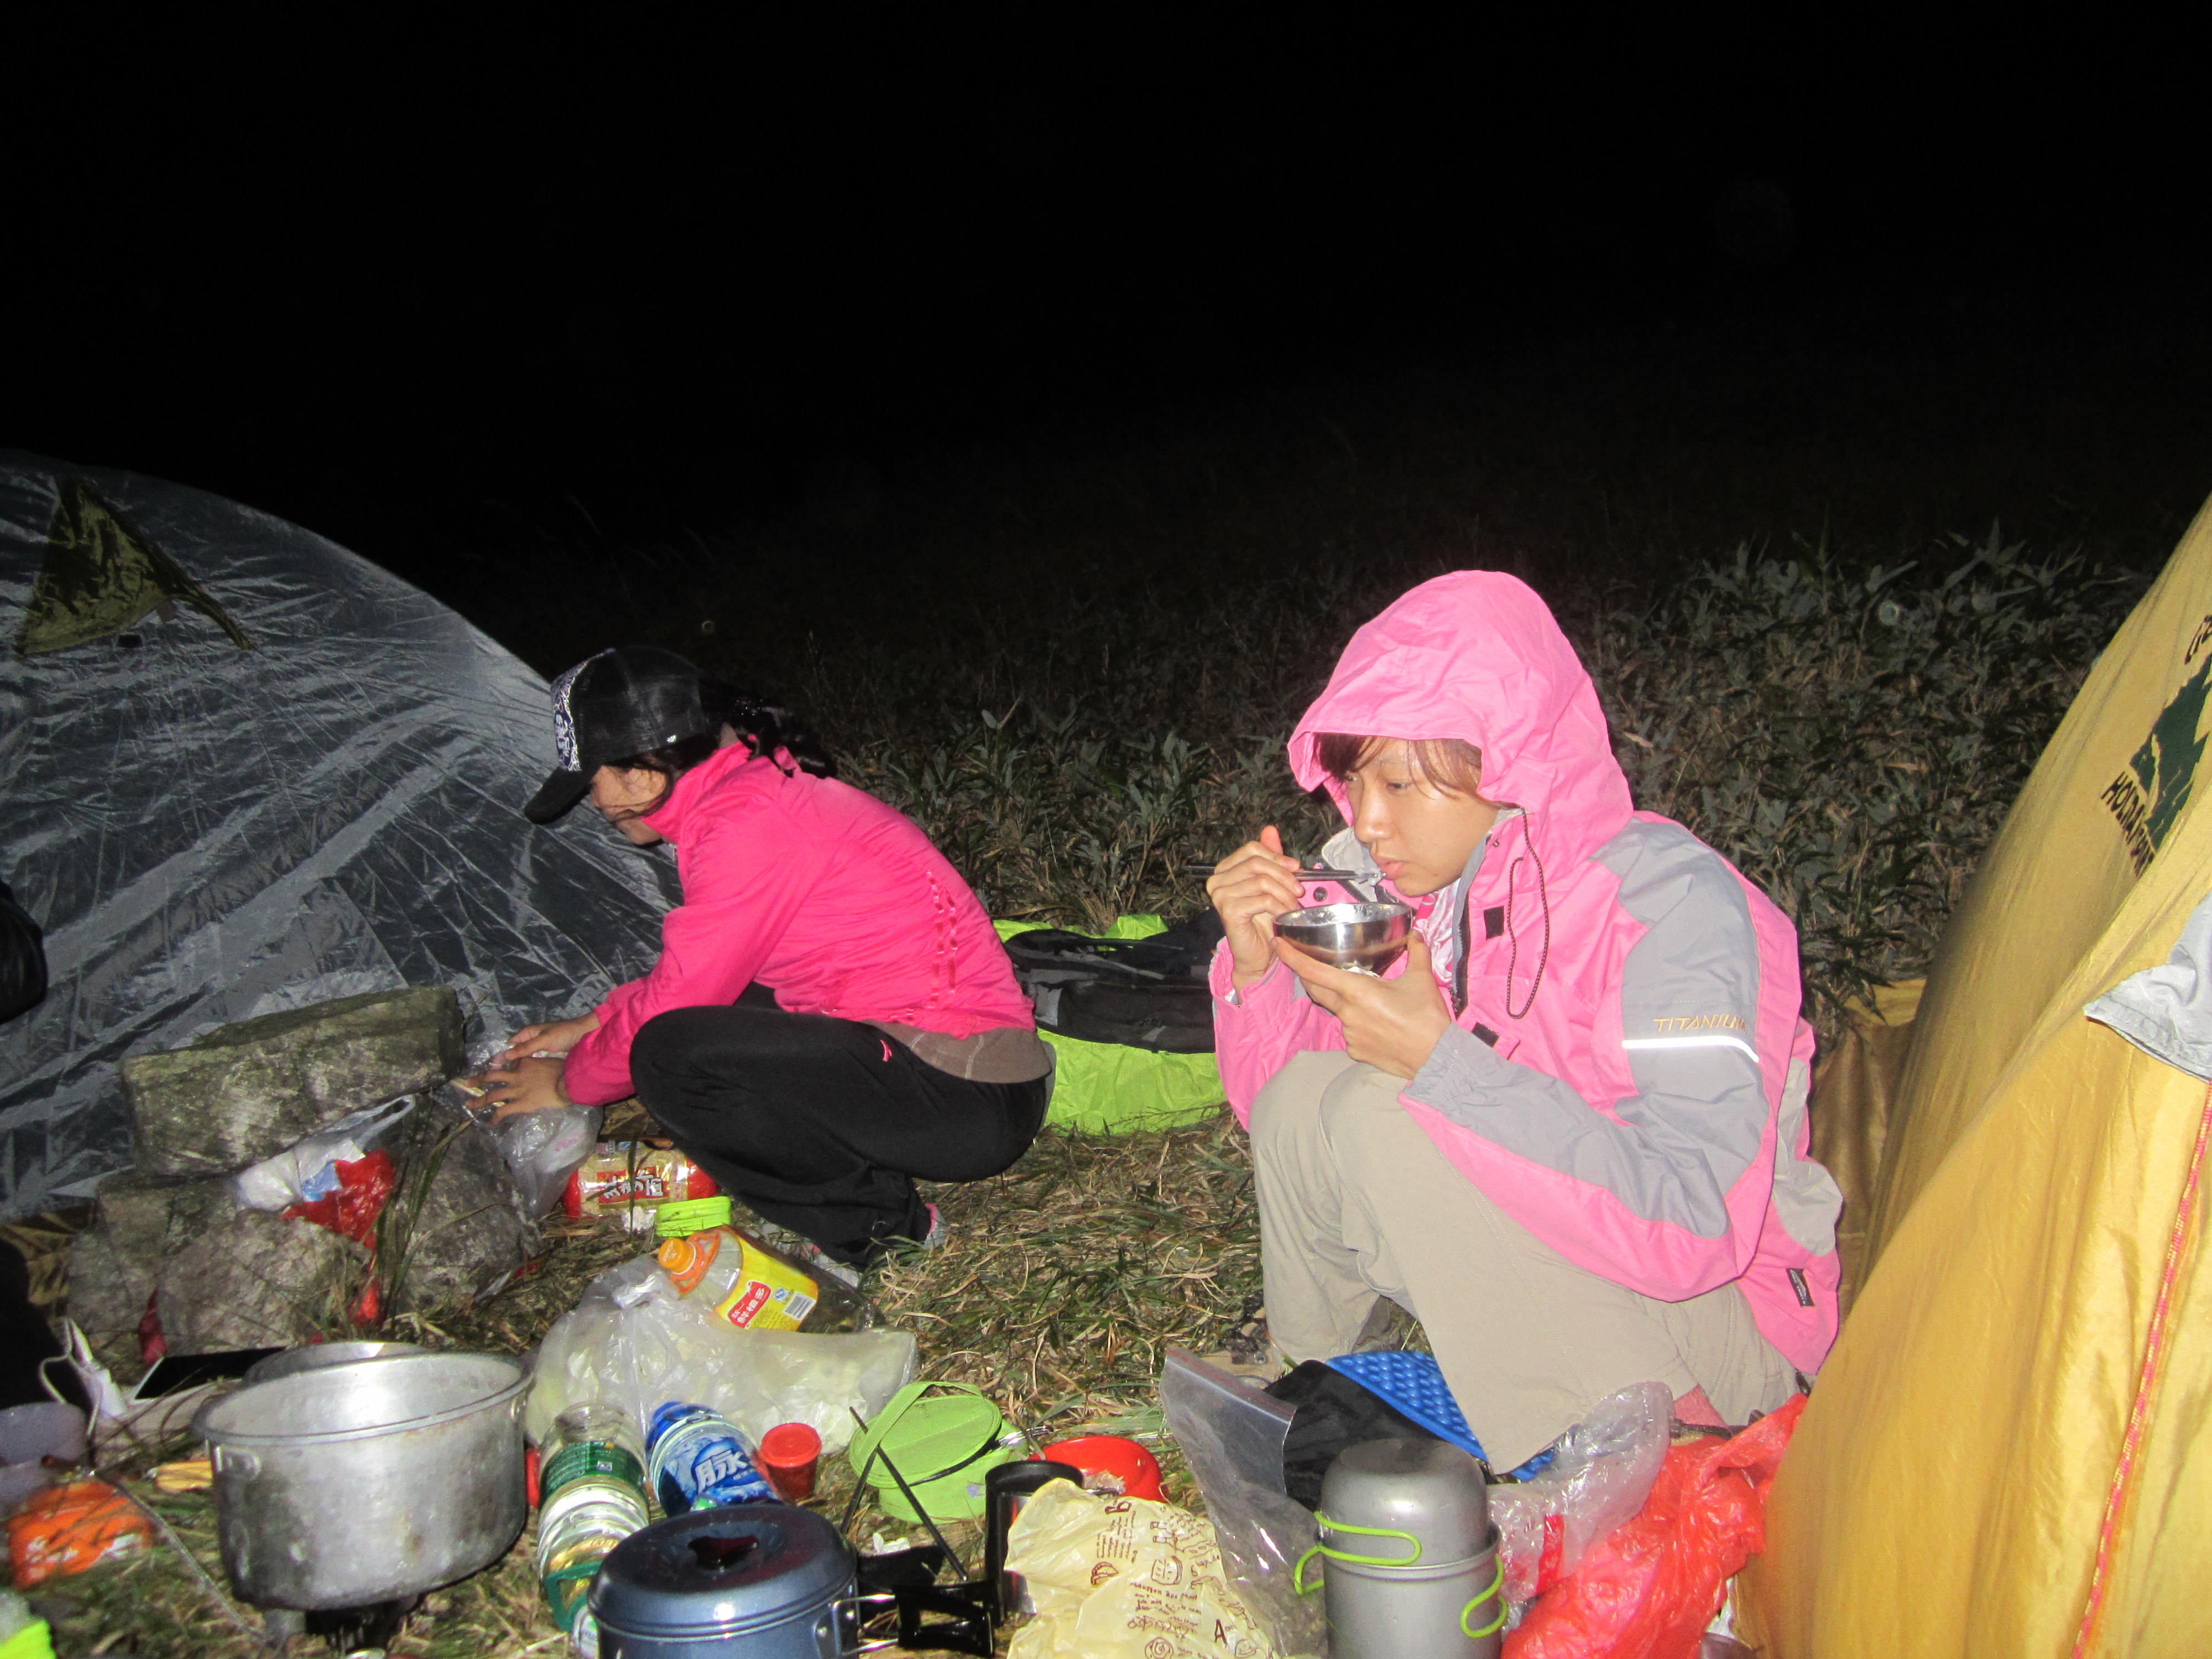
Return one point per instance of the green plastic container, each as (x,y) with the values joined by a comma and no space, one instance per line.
(943,1446)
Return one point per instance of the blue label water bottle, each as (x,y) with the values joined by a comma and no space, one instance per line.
(698,1460)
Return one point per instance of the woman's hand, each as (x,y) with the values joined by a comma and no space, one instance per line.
(555,1038)
(1393,1024)
(1250,889)
(523,1086)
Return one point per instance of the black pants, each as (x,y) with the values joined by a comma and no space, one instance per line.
(821,1124)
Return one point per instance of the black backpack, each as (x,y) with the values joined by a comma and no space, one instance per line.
(22,958)
(1141,993)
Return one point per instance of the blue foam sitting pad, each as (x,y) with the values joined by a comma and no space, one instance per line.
(1414,1384)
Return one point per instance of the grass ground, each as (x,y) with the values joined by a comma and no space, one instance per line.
(1077,674)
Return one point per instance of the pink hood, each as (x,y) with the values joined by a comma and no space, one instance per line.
(1476,655)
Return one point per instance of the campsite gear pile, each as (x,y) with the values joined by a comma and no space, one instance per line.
(262,872)
(632,1341)
(267,1154)
(1237,1440)
(320,1478)
(1408,1556)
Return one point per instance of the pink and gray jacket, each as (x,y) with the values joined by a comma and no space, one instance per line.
(1628,1073)
(834,900)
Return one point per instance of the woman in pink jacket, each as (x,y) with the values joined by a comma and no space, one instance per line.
(831,1016)
(1569,1134)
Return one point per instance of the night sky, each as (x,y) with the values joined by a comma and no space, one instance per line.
(366,277)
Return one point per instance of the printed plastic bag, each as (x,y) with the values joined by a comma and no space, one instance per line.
(67,1529)
(308,1168)
(1649,1589)
(1600,1478)
(544,1149)
(632,1341)
(1124,1578)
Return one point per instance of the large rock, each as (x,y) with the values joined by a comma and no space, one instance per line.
(258,1281)
(109,1289)
(150,1217)
(468,1235)
(247,1091)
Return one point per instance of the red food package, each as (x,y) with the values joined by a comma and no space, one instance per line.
(1651,1586)
(622,1174)
(66,1529)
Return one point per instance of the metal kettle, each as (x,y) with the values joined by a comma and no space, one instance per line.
(1407,1555)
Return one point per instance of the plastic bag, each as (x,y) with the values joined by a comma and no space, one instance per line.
(67,1529)
(1652,1586)
(308,1168)
(351,1206)
(632,1341)
(1124,1578)
(544,1149)
(1231,1436)
(1598,1481)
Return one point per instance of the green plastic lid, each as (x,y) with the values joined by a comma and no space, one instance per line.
(681,1216)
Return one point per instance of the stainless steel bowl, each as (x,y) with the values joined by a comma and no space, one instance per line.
(1366,938)
(316,1355)
(347,1485)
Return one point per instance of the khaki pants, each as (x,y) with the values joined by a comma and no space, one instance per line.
(1355,1202)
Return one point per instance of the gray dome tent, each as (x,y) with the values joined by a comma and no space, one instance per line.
(241,770)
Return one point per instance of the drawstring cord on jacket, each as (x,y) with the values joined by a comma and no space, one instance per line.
(1513,940)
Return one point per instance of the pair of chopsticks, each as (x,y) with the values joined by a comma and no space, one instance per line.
(1368,888)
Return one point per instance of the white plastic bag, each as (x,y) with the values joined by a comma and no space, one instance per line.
(1600,1478)
(1124,1578)
(633,1342)
(308,1168)
(544,1149)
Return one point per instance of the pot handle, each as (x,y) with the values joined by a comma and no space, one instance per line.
(233,1459)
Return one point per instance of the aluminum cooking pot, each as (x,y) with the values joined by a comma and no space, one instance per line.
(760,1581)
(316,1355)
(347,1485)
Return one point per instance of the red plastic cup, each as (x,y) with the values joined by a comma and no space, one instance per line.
(1123,1461)
(790,1453)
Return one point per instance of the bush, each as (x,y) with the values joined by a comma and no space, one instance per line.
(1850,737)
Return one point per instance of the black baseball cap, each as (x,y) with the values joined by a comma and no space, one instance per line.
(621,702)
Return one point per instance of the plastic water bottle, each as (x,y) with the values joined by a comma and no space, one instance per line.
(592,1496)
(700,1462)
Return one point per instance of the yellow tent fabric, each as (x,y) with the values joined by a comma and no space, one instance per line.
(1946,1488)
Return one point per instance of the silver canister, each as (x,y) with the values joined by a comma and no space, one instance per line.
(1407,1555)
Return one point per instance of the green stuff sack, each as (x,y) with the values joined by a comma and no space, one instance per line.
(1110,1088)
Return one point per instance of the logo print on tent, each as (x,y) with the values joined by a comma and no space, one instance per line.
(2149,797)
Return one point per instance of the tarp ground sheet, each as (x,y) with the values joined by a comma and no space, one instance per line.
(1947,1492)
(207,832)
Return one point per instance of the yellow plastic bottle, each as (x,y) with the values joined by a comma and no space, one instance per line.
(746,1282)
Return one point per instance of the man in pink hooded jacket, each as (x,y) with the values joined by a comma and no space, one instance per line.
(1570,1135)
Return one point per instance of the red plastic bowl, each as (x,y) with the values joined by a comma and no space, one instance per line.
(1126,1461)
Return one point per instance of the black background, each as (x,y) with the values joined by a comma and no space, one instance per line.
(374,276)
